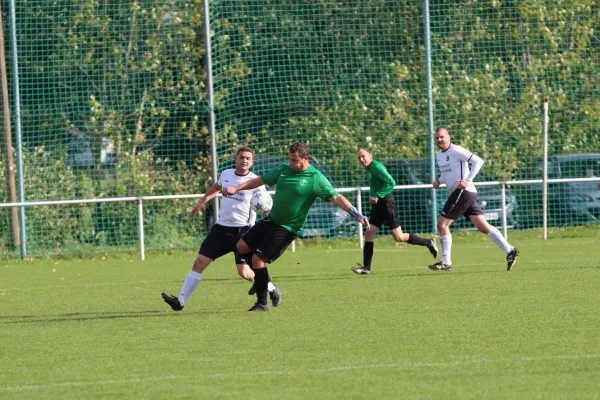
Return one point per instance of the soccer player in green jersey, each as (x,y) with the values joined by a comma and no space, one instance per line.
(383,211)
(298,185)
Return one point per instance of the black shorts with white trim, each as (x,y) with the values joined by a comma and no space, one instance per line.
(461,203)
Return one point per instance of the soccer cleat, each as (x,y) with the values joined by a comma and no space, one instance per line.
(259,308)
(172,301)
(511,258)
(440,266)
(275,296)
(433,248)
(252,290)
(360,270)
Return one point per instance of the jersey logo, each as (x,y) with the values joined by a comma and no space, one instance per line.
(303,182)
(447,158)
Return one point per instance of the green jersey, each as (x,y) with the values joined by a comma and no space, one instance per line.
(380,181)
(295,193)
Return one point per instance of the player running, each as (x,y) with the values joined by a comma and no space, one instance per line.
(235,219)
(453,163)
(298,185)
(383,211)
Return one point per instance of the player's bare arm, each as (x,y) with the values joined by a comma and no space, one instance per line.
(251,184)
(208,196)
(436,184)
(345,205)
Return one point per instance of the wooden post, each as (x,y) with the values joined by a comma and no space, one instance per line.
(10,162)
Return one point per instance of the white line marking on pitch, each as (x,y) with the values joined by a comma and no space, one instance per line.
(287,372)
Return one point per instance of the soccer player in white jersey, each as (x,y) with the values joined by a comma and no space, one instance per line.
(235,219)
(453,163)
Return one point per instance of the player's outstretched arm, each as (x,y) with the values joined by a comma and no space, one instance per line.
(210,194)
(345,205)
(251,184)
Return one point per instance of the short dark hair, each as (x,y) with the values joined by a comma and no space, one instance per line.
(244,149)
(300,148)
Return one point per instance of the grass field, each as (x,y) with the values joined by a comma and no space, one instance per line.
(99,329)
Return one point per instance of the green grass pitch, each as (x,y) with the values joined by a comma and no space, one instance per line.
(98,328)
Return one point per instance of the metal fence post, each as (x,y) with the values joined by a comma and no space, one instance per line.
(545,178)
(503,197)
(359,208)
(141,227)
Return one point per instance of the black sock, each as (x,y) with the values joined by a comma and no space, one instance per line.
(261,280)
(414,239)
(368,255)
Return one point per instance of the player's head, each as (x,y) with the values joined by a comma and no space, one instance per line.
(244,158)
(442,138)
(365,157)
(298,156)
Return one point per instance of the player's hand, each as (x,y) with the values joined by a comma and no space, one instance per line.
(199,206)
(373,200)
(365,222)
(436,184)
(229,191)
(462,184)
(598,186)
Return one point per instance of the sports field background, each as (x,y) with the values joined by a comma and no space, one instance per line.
(97,328)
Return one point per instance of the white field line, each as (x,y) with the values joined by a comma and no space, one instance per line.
(295,372)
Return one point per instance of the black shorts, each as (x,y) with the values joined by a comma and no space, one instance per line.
(384,213)
(222,240)
(461,202)
(268,240)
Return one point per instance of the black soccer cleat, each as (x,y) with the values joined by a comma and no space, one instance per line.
(275,296)
(511,258)
(361,270)
(432,248)
(440,266)
(259,308)
(172,301)
(252,290)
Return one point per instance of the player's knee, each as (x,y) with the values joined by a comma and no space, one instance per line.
(242,247)
(201,263)
(399,236)
(442,225)
(258,262)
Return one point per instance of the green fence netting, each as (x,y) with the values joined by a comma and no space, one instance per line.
(112,104)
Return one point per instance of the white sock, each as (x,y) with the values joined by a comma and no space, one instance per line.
(271,287)
(189,285)
(446,242)
(497,238)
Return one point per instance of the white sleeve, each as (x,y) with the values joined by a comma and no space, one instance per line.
(461,153)
(220,179)
(260,189)
(476,164)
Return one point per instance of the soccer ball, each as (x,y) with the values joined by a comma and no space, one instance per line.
(261,202)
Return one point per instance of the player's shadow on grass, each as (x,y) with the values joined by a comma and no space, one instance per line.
(107,315)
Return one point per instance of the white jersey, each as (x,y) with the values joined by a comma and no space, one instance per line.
(454,166)
(235,210)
